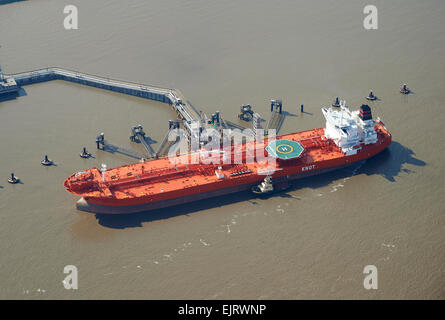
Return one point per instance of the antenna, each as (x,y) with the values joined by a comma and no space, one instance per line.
(342,108)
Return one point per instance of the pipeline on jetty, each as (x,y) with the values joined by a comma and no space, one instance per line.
(190,117)
(165,145)
(138,135)
(193,121)
(170,96)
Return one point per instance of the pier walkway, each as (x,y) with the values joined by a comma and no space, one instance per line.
(172,97)
(276,117)
(165,145)
(192,121)
(151,153)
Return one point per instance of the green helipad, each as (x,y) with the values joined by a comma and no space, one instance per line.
(284,149)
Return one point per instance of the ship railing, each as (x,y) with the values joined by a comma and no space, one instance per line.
(312,142)
(141,179)
(59,70)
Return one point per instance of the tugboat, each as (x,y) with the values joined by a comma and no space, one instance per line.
(265,187)
(13,179)
(47,162)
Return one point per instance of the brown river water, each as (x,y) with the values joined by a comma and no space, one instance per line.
(311,242)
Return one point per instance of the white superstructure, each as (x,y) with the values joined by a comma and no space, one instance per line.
(347,129)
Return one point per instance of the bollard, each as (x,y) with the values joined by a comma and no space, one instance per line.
(46,161)
(13,179)
(85,154)
(371,96)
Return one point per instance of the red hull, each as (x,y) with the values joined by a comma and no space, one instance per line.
(320,157)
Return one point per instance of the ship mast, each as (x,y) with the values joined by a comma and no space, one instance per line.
(342,108)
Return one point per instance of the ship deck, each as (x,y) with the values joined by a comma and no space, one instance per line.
(159,176)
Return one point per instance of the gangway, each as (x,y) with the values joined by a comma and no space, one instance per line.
(138,135)
(276,117)
(166,144)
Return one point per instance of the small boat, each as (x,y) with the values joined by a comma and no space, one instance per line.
(264,187)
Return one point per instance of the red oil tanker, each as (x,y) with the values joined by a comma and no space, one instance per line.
(347,138)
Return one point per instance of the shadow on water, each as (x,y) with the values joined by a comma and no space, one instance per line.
(51,165)
(8,97)
(394,158)
(13,184)
(13,95)
(285,114)
(9,1)
(150,140)
(288,114)
(136,219)
(388,164)
(22,92)
(111,148)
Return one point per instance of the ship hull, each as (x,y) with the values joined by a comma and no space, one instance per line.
(312,164)
(88,206)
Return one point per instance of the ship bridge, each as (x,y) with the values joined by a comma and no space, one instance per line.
(285,149)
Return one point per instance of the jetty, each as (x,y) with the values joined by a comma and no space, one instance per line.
(192,121)
(165,145)
(191,118)
(8,85)
(138,135)
(172,97)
